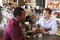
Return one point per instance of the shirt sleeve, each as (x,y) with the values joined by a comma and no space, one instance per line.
(38,22)
(6,36)
(53,27)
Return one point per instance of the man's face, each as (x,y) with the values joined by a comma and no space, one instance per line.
(46,14)
(22,16)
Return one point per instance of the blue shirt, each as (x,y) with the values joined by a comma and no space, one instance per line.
(50,25)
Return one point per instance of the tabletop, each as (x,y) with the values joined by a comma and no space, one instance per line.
(48,37)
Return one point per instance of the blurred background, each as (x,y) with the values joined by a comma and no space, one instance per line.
(33,8)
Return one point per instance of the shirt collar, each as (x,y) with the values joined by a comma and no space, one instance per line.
(50,19)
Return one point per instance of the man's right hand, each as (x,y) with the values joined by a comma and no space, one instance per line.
(35,25)
(37,30)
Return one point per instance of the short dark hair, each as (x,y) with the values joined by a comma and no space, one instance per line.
(17,11)
(48,10)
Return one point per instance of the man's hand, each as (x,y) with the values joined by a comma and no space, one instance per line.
(37,31)
(35,25)
(42,30)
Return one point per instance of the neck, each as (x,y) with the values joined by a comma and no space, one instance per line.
(16,20)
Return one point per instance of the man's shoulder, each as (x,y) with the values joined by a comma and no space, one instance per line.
(53,19)
(11,22)
(10,25)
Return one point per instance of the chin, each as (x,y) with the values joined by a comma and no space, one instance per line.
(45,17)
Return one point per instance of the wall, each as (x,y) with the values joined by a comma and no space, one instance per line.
(1,3)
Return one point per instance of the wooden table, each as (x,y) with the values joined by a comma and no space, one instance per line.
(48,37)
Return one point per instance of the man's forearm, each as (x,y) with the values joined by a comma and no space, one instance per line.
(46,32)
(43,31)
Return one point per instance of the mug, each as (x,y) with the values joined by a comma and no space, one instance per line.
(40,35)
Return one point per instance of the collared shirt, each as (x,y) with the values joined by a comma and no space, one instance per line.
(50,25)
(13,31)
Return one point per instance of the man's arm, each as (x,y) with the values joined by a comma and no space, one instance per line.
(43,31)
(34,33)
(54,28)
(6,36)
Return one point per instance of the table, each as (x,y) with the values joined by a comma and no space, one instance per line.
(48,37)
